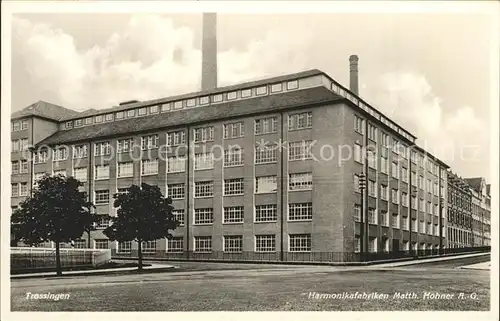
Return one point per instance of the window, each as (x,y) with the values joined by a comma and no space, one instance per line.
(126,169)
(234,130)
(357,154)
(231,95)
(124,247)
(102,197)
(203,161)
(384,219)
(300,211)
(404,174)
(69,125)
(265,154)
(385,139)
(265,243)
(176,164)
(266,184)
(233,157)
(246,93)
(404,199)
(395,220)
(266,125)
(101,149)
(108,117)
(175,245)
(142,111)
(101,172)
(125,145)
(165,107)
(130,113)
(80,244)
(98,119)
(357,212)
(372,132)
(148,246)
(15,167)
(24,166)
(203,244)
(88,121)
(300,121)
(261,90)
(422,227)
(435,209)
(395,170)
(300,150)
(60,154)
(40,157)
(203,216)
(80,173)
(204,189)
(204,134)
(178,105)
(276,88)
(78,122)
(395,196)
(15,126)
(153,109)
(119,115)
(395,146)
(24,124)
(404,222)
(176,191)
(233,214)
(356,183)
(421,182)
(358,124)
(294,84)
(15,145)
(149,167)
(204,100)
(357,244)
(384,165)
(299,242)
(149,142)
(233,243)
(233,186)
(372,159)
(80,151)
(23,189)
(103,222)
(429,228)
(176,138)
(58,172)
(414,226)
(217,98)
(372,188)
(372,244)
(179,216)
(266,213)
(15,189)
(372,216)
(384,192)
(101,244)
(300,181)
(23,144)
(413,179)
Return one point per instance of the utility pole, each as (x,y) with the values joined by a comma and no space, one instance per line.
(362,186)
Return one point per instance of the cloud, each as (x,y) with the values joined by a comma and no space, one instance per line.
(150,58)
(459,137)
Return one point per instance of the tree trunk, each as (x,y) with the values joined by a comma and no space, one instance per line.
(58,260)
(139,254)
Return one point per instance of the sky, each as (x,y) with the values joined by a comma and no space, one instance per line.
(428,72)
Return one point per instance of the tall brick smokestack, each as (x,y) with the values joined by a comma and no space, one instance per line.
(353,74)
(209,51)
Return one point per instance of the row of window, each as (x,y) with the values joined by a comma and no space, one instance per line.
(396,221)
(19,189)
(373,245)
(19,145)
(19,167)
(188,103)
(19,125)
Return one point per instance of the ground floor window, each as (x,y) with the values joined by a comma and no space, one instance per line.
(149,246)
(300,242)
(124,247)
(175,245)
(102,244)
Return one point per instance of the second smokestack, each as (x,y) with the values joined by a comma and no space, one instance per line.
(209,52)
(353,74)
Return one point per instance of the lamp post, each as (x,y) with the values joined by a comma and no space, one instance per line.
(362,186)
(441,205)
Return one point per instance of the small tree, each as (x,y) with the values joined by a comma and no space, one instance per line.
(57,211)
(143,215)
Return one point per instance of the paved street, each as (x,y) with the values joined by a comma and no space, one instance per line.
(210,287)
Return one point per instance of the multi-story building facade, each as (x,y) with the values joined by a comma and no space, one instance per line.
(481,211)
(460,210)
(270,166)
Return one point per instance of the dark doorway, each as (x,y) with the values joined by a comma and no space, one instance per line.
(395,245)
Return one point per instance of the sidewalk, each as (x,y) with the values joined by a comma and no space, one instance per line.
(151,268)
(478,266)
(434,259)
